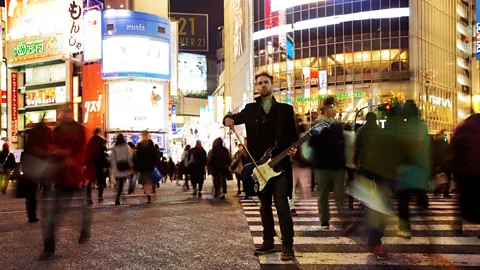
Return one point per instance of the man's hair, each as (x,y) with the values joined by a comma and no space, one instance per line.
(264,73)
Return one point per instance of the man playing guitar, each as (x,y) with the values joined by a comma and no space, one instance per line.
(271,124)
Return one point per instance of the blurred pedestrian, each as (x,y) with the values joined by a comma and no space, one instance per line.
(69,142)
(219,161)
(349,137)
(329,167)
(34,165)
(121,160)
(146,161)
(171,169)
(96,165)
(442,159)
(184,173)
(196,167)
(132,174)
(301,171)
(164,169)
(466,167)
(239,160)
(7,164)
(415,167)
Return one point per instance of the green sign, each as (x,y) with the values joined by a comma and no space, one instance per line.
(28,48)
(337,96)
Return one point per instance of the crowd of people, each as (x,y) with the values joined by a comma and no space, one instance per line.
(371,164)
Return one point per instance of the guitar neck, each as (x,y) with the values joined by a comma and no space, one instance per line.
(276,160)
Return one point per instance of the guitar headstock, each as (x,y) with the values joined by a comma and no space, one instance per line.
(319,127)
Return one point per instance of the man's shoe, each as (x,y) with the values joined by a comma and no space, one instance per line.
(325,226)
(294,213)
(89,202)
(287,253)
(404,234)
(46,255)
(33,220)
(264,249)
(84,237)
(380,254)
(223,197)
(149,199)
(117,202)
(199,194)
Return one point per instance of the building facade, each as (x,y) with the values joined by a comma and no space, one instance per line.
(367,53)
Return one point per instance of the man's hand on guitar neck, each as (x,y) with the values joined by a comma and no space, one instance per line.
(292,151)
(230,123)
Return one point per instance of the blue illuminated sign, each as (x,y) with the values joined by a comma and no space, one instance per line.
(477,33)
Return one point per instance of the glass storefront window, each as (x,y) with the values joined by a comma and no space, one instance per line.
(31,118)
(46,96)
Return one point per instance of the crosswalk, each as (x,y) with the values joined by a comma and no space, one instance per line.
(434,243)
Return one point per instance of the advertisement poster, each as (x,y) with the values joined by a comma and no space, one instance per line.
(137,106)
(238,28)
(93,97)
(14,110)
(192,74)
(35,48)
(134,56)
(192,31)
(28,18)
(161,139)
(92,39)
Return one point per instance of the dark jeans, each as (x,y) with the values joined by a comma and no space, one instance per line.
(403,203)
(101,181)
(377,223)
(56,202)
(350,178)
(31,200)
(120,182)
(239,180)
(219,182)
(278,188)
(133,183)
(197,178)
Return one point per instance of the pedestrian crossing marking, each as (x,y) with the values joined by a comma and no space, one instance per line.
(440,251)
(398,259)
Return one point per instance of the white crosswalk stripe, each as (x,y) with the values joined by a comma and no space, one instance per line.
(434,241)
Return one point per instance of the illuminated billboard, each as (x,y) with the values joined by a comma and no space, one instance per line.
(137,106)
(192,31)
(136,56)
(477,33)
(92,39)
(192,74)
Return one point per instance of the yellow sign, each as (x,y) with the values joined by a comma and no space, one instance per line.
(32,49)
(476,103)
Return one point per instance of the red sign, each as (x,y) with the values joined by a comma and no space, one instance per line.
(93,108)
(14,108)
(4,97)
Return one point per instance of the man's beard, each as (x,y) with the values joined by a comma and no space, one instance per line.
(265,93)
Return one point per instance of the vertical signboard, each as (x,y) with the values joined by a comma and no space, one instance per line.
(174,118)
(75,27)
(477,31)
(92,40)
(14,111)
(174,58)
(192,31)
(322,81)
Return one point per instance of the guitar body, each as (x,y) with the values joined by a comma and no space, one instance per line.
(255,179)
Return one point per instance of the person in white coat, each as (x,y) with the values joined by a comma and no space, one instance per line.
(121,162)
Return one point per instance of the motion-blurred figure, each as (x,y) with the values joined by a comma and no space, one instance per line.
(183,166)
(132,174)
(34,165)
(349,137)
(329,167)
(146,161)
(121,160)
(96,165)
(68,149)
(466,166)
(442,158)
(239,160)
(7,164)
(196,166)
(415,168)
(219,161)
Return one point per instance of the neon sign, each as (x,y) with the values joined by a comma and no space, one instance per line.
(28,48)
(337,96)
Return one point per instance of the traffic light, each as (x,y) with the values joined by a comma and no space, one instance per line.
(384,107)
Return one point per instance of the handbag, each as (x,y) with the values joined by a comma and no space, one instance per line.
(123,165)
(156,175)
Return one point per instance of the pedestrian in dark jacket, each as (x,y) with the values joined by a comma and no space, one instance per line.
(441,161)
(218,162)
(96,165)
(146,160)
(68,149)
(7,161)
(466,166)
(196,166)
(329,169)
(34,165)
(171,169)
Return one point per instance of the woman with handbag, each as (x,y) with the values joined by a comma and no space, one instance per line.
(121,160)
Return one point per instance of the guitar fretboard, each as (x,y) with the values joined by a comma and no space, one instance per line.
(282,155)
